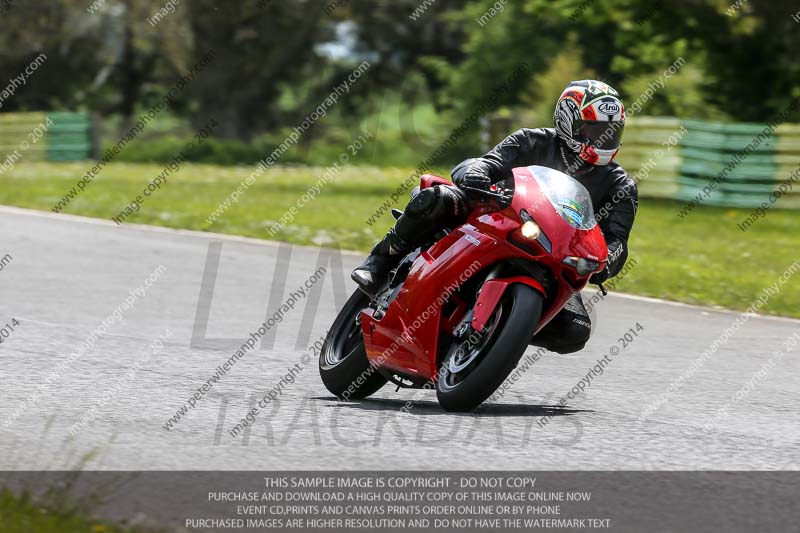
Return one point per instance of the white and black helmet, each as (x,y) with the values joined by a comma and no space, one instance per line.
(590,118)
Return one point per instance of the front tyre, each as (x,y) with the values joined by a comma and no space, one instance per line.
(343,364)
(475,367)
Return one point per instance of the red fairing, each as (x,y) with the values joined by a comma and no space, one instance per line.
(567,241)
(405,339)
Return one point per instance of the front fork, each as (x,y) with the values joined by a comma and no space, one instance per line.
(464,327)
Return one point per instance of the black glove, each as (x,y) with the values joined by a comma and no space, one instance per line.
(474,179)
(599,277)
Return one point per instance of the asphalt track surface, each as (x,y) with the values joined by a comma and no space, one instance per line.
(67,274)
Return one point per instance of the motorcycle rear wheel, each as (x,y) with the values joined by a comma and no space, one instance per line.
(470,373)
(343,364)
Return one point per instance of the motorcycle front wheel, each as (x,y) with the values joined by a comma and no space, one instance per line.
(343,364)
(476,366)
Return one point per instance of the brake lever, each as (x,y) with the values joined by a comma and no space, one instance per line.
(499,196)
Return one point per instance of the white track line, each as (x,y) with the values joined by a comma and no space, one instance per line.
(700,307)
(156,229)
(272,244)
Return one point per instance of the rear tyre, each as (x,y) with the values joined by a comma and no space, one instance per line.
(472,370)
(343,364)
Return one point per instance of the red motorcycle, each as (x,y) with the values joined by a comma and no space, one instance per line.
(459,314)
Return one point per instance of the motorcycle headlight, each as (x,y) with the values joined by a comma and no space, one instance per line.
(531,230)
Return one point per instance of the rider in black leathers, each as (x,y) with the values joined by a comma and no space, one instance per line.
(589,120)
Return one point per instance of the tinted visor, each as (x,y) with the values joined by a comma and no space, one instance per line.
(601,135)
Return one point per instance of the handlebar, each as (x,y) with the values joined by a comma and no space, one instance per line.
(602,289)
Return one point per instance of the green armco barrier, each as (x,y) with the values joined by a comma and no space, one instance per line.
(743,173)
(39,136)
(70,137)
(744,162)
(720,159)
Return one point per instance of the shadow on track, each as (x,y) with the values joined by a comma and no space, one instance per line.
(429,408)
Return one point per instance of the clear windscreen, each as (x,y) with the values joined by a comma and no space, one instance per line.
(570,198)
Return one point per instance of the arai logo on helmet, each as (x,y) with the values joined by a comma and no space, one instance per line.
(609,108)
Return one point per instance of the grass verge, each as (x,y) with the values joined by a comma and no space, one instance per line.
(19,514)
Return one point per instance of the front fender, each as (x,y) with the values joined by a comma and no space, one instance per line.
(491,293)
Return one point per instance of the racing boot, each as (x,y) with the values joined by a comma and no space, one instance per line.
(386,255)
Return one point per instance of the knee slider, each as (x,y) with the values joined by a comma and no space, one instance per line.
(579,332)
(569,348)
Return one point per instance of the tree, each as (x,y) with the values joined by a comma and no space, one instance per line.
(260,49)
